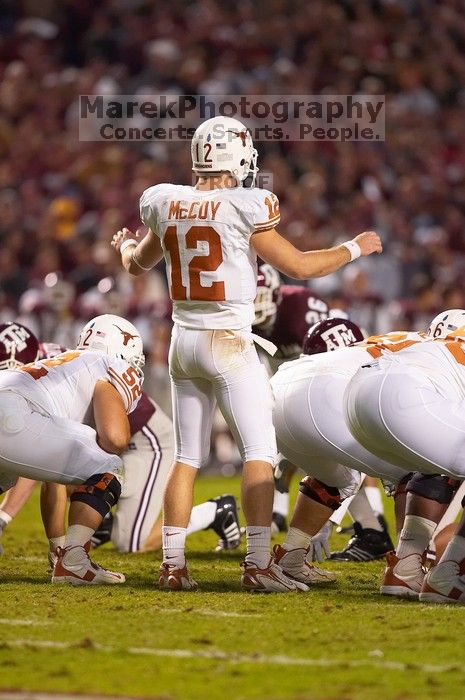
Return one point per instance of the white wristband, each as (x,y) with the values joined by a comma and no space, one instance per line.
(354,249)
(126,244)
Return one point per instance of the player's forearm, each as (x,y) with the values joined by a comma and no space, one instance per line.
(129,263)
(139,256)
(271,247)
(17,496)
(317,263)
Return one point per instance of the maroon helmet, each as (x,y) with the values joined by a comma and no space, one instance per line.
(18,346)
(268,295)
(331,334)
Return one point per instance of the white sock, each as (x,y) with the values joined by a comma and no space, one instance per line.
(55,542)
(78,535)
(202,516)
(455,550)
(415,536)
(361,511)
(5,518)
(258,545)
(174,542)
(375,499)
(281,503)
(296,539)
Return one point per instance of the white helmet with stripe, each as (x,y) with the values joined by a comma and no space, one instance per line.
(224,144)
(116,337)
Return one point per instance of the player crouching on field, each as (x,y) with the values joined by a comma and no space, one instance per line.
(43,410)
(135,524)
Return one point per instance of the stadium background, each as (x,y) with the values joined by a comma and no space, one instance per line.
(61,200)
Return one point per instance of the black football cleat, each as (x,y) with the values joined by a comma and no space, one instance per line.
(226,522)
(103,532)
(365,545)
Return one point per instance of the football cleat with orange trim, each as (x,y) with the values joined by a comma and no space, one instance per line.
(403,577)
(173,578)
(271,579)
(74,566)
(445,583)
(294,564)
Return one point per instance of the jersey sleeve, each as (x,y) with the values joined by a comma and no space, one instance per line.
(261,209)
(148,208)
(127,382)
(265,211)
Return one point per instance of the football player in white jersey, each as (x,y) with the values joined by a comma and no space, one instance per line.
(45,408)
(210,235)
(311,431)
(414,415)
(135,524)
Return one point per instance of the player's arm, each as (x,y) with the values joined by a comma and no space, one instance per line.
(138,255)
(111,421)
(277,251)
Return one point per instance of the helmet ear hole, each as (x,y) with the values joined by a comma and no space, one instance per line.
(243,161)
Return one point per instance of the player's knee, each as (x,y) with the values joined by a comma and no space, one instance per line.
(319,492)
(432,486)
(101,492)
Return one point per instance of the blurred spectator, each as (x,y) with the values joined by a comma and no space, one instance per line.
(61,199)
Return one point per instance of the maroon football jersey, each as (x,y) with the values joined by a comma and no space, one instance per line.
(298,310)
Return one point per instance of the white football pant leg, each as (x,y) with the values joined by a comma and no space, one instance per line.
(210,366)
(397,414)
(146,462)
(309,419)
(49,448)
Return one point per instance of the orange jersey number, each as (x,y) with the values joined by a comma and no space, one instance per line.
(41,371)
(132,380)
(198,264)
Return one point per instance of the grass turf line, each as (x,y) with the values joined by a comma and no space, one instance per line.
(342,642)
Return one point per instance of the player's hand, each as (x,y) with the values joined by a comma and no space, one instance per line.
(369,242)
(122,236)
(319,544)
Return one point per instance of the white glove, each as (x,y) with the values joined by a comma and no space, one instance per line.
(319,544)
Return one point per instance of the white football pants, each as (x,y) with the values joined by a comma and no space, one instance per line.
(210,367)
(312,433)
(47,448)
(147,462)
(396,414)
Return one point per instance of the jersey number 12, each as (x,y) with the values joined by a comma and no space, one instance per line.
(198,264)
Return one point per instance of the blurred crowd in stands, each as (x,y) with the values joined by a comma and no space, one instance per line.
(61,200)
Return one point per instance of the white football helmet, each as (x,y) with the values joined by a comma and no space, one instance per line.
(224,144)
(268,296)
(115,336)
(446,322)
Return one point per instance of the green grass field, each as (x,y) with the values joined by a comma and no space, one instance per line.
(339,642)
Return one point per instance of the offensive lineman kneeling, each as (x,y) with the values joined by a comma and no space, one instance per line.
(136,522)
(312,433)
(43,410)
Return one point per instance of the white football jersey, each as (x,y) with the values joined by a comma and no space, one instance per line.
(441,362)
(64,386)
(205,235)
(346,361)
